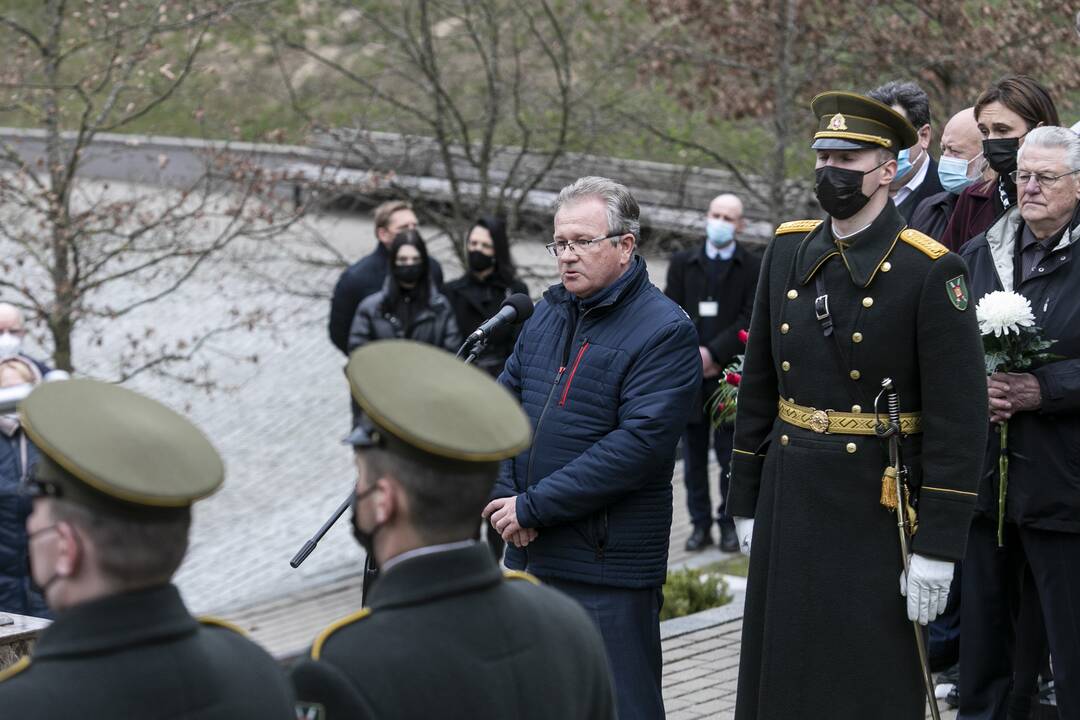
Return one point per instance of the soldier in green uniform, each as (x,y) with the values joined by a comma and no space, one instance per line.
(841,304)
(111,512)
(446,634)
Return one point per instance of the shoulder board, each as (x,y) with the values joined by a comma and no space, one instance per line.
(797,226)
(218,622)
(923,243)
(521,575)
(320,640)
(13,670)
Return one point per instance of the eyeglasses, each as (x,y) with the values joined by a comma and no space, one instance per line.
(41,488)
(559,246)
(1045,182)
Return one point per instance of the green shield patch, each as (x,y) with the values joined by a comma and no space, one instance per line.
(958,292)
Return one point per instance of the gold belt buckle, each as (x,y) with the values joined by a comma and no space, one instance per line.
(819,421)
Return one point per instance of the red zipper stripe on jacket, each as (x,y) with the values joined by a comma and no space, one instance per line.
(577,361)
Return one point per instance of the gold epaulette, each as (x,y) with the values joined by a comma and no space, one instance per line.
(218,622)
(797,226)
(13,670)
(321,638)
(521,575)
(923,243)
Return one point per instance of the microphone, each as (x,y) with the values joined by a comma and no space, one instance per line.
(515,309)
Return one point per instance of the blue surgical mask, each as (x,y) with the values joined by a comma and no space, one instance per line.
(953,173)
(720,233)
(903,164)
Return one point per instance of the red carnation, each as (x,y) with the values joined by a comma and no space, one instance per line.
(733,379)
(719,407)
(743,336)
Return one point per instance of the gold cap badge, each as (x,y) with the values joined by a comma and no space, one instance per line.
(837,122)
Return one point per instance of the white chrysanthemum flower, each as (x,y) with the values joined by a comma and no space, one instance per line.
(1003,312)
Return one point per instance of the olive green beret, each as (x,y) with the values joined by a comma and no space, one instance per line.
(111,448)
(847,121)
(422,401)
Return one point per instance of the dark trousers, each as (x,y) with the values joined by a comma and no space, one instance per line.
(1004,588)
(629,621)
(696,470)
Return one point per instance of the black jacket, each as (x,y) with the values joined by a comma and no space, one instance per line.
(474,301)
(931,185)
(362,278)
(932,215)
(141,655)
(448,636)
(15,593)
(1044,445)
(434,324)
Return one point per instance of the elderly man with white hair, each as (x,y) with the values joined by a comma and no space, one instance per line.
(714,282)
(1029,250)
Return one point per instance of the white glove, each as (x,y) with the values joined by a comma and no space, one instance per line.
(926,587)
(744,530)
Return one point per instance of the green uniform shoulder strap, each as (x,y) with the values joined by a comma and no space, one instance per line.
(923,243)
(13,670)
(797,226)
(320,640)
(521,575)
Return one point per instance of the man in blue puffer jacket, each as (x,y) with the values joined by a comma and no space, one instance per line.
(607,369)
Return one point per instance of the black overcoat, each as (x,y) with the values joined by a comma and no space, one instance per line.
(825,631)
(448,636)
(141,655)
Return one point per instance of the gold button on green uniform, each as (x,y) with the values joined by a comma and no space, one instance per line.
(792,294)
(785,366)
(851,447)
(784,329)
(855,374)
(784,440)
(856,408)
(886,266)
(856,337)
(867,302)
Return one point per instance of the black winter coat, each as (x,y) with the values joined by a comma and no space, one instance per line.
(434,324)
(15,593)
(1044,445)
(931,185)
(364,277)
(932,215)
(474,301)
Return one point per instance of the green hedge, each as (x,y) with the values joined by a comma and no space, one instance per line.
(690,591)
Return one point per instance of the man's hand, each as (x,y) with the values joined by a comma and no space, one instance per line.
(502,514)
(1011,393)
(523,537)
(708,368)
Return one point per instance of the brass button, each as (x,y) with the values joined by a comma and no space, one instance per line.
(867,302)
(792,294)
(851,447)
(855,374)
(856,408)
(785,366)
(791,400)
(886,266)
(784,440)
(856,337)
(784,328)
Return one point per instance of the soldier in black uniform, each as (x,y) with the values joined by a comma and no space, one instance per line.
(446,634)
(841,304)
(112,508)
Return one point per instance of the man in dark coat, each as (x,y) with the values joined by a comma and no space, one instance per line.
(446,633)
(368,274)
(961,165)
(917,173)
(1030,251)
(606,368)
(112,507)
(714,283)
(841,304)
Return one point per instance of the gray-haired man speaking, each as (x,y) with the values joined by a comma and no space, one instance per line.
(606,369)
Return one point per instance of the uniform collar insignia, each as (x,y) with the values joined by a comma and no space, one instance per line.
(867,251)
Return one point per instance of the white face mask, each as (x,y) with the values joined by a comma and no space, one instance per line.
(9,344)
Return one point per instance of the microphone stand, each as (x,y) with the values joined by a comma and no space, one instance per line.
(371,570)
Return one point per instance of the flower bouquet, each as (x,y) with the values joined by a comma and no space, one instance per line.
(722,404)
(1012,342)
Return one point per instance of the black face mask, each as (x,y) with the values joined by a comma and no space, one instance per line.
(839,190)
(1000,154)
(408,273)
(365,538)
(479,262)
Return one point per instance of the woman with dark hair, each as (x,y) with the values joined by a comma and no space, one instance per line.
(408,306)
(488,280)
(1006,112)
